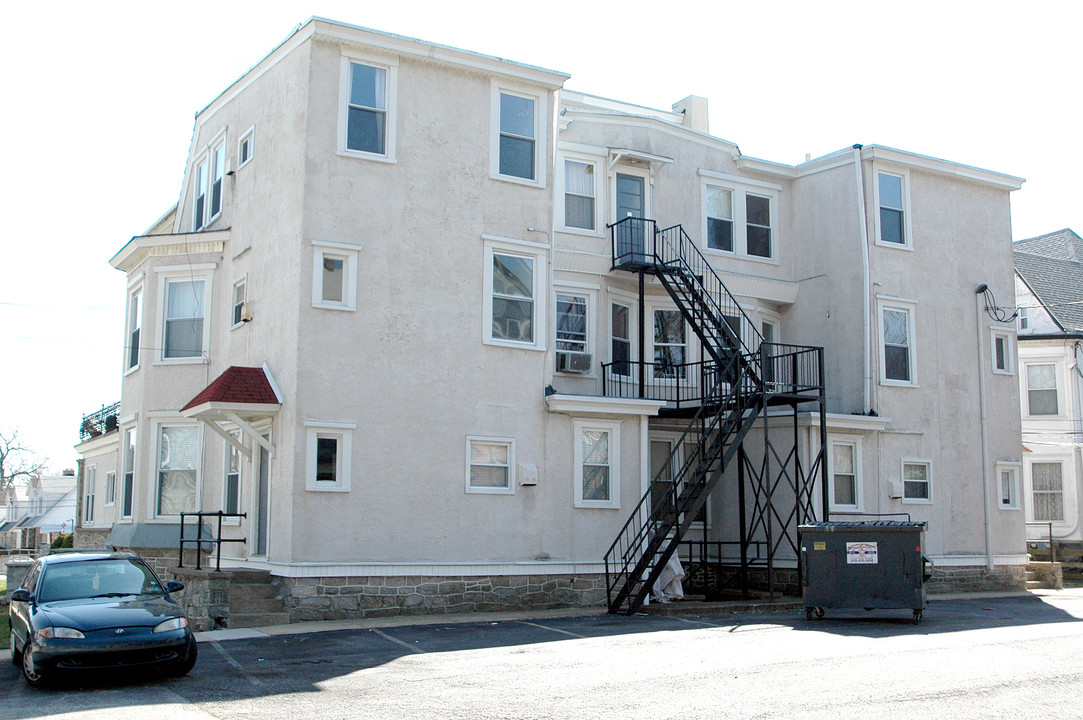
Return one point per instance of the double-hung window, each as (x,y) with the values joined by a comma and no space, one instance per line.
(517,135)
(597,464)
(720,219)
(1042,389)
(758,225)
(620,332)
(135,325)
(88,505)
(891,220)
(240,295)
(517,126)
(917,481)
(183,331)
(179,453)
(897,359)
(669,345)
(845,475)
(571,323)
(245,148)
(231,502)
(127,467)
(329,455)
(579,195)
(366,114)
(110,488)
(1047,484)
(514,278)
(490,465)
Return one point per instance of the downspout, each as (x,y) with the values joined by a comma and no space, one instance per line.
(984,428)
(866,282)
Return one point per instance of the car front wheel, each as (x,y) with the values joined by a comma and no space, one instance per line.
(34,676)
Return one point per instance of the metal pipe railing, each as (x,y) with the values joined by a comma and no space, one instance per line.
(1049,525)
(199,540)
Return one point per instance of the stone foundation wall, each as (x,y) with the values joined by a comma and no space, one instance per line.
(205,597)
(1050,575)
(340,598)
(977,579)
(91,539)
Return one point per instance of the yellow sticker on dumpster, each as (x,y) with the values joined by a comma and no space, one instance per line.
(819,545)
(861,553)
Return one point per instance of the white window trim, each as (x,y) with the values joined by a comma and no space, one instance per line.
(153,497)
(133,290)
(1067,488)
(599,206)
(541,301)
(202,271)
(495,440)
(343,432)
(629,301)
(613,428)
(1009,336)
(541,118)
(1016,468)
(859,495)
(904,173)
(227,450)
(910,308)
(928,480)
(110,483)
(592,309)
(390,114)
(125,430)
(1024,380)
(90,492)
(242,280)
(691,346)
(740,188)
(340,251)
(672,438)
(206,154)
(248,134)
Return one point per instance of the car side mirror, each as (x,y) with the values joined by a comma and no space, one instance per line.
(20,595)
(174,586)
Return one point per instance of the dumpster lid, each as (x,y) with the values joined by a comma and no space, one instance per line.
(882,525)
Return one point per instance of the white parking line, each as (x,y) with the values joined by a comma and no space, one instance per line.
(553,629)
(406,645)
(236,665)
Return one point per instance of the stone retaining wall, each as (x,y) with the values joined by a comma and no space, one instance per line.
(91,538)
(340,598)
(205,597)
(977,579)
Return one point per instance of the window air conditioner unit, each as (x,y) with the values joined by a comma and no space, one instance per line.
(571,362)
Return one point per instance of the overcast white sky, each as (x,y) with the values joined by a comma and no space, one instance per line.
(100,99)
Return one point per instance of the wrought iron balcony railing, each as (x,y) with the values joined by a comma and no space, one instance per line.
(100,422)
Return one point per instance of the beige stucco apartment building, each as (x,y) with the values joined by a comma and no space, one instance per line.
(383,321)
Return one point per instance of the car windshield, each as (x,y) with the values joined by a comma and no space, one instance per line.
(110,577)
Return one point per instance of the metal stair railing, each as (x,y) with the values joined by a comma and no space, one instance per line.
(636,558)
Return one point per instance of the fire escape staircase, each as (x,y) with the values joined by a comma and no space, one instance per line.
(734,399)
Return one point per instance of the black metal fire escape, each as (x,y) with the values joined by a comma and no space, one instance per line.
(740,377)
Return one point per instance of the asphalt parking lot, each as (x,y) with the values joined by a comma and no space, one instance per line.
(1004,649)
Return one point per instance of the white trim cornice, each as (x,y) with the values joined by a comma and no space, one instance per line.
(595,405)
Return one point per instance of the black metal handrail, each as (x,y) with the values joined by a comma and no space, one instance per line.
(680,384)
(100,422)
(1049,524)
(199,540)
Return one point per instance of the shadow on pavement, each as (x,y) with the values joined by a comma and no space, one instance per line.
(251,668)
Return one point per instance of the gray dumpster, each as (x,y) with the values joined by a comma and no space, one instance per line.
(866,565)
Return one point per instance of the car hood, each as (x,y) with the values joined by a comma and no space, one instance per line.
(101,613)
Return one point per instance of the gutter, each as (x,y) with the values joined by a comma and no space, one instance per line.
(978,299)
(866,319)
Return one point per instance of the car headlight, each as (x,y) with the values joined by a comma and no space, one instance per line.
(176,623)
(58,632)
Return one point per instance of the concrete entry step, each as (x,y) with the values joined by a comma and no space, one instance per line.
(251,576)
(257,605)
(255,600)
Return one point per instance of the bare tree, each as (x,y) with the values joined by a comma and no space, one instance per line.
(17,461)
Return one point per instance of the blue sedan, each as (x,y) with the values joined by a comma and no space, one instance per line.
(97,610)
